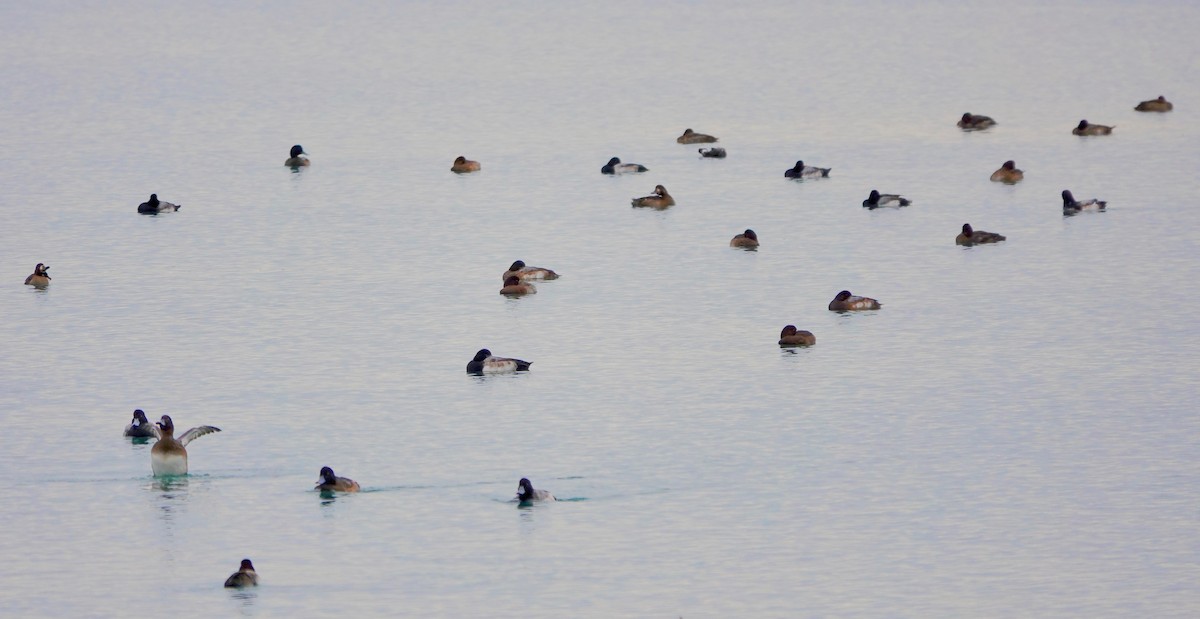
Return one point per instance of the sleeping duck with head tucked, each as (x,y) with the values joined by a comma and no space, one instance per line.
(526,273)
(691,137)
(791,336)
(846,302)
(1008,173)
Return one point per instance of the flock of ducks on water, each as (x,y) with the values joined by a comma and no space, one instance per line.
(168,455)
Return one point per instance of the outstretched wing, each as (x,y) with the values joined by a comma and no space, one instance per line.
(196,433)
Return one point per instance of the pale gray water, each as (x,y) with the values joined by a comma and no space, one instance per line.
(1012,435)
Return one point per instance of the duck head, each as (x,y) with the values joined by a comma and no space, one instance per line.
(874,197)
(842,296)
(788,330)
(166,425)
(614,161)
(524,490)
(966,117)
(750,234)
(482,354)
(660,191)
(153,199)
(967,230)
(517,266)
(1082,125)
(246,566)
(460,160)
(139,418)
(1068,199)
(297,150)
(799,166)
(1009,165)
(327,476)
(688,131)
(511,280)
(40,269)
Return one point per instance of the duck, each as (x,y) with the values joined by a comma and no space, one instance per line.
(806,171)
(878,200)
(715,152)
(846,302)
(140,427)
(513,287)
(39,278)
(614,166)
(462,165)
(1071,205)
(790,336)
(332,483)
(973,122)
(485,363)
(969,236)
(295,160)
(244,577)
(1155,105)
(169,456)
(747,239)
(526,493)
(1086,128)
(1008,173)
(154,205)
(527,273)
(660,199)
(691,137)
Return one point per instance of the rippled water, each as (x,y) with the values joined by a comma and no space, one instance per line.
(1011,435)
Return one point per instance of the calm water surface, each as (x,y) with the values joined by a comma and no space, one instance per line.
(1012,435)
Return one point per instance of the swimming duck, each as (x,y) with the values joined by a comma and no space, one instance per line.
(526,493)
(715,152)
(1155,105)
(790,336)
(691,137)
(513,287)
(294,158)
(484,362)
(1008,173)
(878,200)
(168,456)
(846,302)
(1071,205)
(614,166)
(970,236)
(973,122)
(244,577)
(140,427)
(806,171)
(463,165)
(39,277)
(660,199)
(154,205)
(1086,128)
(332,483)
(747,239)
(519,269)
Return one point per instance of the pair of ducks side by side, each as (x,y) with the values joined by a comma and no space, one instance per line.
(660,199)
(169,455)
(516,279)
(154,205)
(485,363)
(970,236)
(806,171)
(39,278)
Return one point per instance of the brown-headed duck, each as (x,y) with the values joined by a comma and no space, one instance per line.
(154,205)
(527,273)
(1008,173)
(790,336)
(296,158)
(974,122)
(140,427)
(846,302)
(244,577)
(485,363)
(660,199)
(1155,105)
(969,236)
(881,200)
(462,165)
(1086,128)
(691,137)
(747,240)
(168,456)
(514,287)
(332,483)
(39,278)
(614,166)
(715,152)
(806,171)
(1072,206)
(526,493)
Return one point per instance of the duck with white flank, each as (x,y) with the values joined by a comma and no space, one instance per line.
(806,171)
(715,152)
(296,158)
(846,302)
(881,200)
(526,493)
(154,205)
(527,273)
(614,166)
(1072,206)
(140,427)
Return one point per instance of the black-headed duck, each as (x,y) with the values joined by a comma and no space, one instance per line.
(1086,128)
(846,302)
(881,200)
(169,455)
(484,362)
(1155,105)
(970,236)
(691,137)
(974,122)
(244,577)
(790,336)
(462,165)
(39,278)
(527,273)
(514,287)
(806,171)
(154,205)
(296,158)
(614,166)
(526,493)
(746,240)
(1072,206)
(1008,173)
(715,152)
(330,482)
(140,427)
(660,199)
